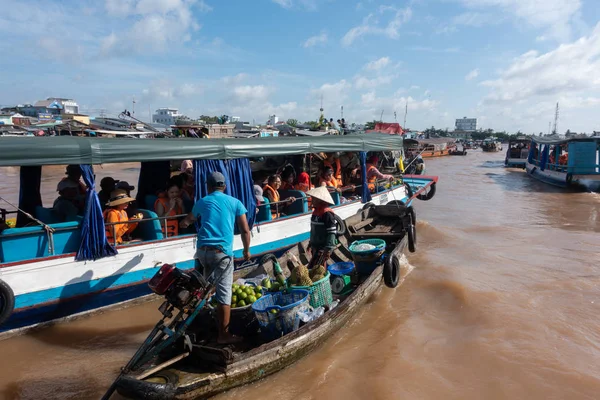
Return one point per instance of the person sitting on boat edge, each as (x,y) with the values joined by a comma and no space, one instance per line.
(68,205)
(73,173)
(288,176)
(218,213)
(116,214)
(373,173)
(169,205)
(323,227)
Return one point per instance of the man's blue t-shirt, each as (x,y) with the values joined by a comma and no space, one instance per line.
(217,213)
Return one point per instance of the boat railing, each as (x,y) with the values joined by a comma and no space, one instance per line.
(162,220)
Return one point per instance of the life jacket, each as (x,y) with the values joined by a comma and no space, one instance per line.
(337,170)
(275,198)
(119,229)
(332,182)
(172,223)
(373,179)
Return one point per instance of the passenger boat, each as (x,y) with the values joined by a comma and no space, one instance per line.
(52,270)
(571,162)
(491,145)
(428,148)
(516,154)
(203,368)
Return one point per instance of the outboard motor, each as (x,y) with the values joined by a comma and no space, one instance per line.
(178,287)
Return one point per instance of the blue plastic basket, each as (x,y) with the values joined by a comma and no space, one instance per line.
(341,268)
(277,313)
(366,261)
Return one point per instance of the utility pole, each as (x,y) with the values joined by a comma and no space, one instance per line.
(395,119)
(133,106)
(381,117)
(342,112)
(405,112)
(549,127)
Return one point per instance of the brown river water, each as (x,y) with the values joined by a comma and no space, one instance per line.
(502,303)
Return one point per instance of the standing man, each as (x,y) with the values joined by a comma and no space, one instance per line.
(217,214)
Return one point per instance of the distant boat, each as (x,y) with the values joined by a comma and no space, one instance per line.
(427,148)
(491,144)
(516,154)
(571,162)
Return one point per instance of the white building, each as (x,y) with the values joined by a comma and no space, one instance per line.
(166,116)
(273,119)
(466,124)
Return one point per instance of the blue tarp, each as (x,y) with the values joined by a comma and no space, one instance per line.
(93,236)
(238,177)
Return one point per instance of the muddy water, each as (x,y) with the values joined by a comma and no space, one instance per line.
(502,304)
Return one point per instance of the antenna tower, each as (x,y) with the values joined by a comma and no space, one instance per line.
(555,119)
(381,117)
(405,112)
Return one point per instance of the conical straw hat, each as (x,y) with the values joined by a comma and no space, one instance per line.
(321,193)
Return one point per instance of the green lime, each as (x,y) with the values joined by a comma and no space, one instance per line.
(249,290)
(233,299)
(258,289)
(251,299)
(239,292)
(241,303)
(242,295)
(235,287)
(273,311)
(258,295)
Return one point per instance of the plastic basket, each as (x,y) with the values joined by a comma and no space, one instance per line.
(277,313)
(341,268)
(366,261)
(320,292)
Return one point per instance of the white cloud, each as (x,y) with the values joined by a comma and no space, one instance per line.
(249,93)
(236,79)
(361,82)
(310,5)
(283,3)
(315,40)
(477,19)
(371,26)
(554,16)
(472,74)
(532,84)
(378,64)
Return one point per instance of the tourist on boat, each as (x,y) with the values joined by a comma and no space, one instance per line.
(271,192)
(218,213)
(74,175)
(332,160)
(327,179)
(373,174)
(288,177)
(303,184)
(107,185)
(188,189)
(68,205)
(323,227)
(117,213)
(170,204)
(187,166)
(132,209)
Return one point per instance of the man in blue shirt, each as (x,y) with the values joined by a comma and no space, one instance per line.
(218,213)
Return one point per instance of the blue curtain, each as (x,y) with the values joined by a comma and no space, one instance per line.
(366,194)
(29,193)
(93,236)
(238,177)
(532,148)
(545,155)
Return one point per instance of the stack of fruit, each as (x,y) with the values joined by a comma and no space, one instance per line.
(274,286)
(244,295)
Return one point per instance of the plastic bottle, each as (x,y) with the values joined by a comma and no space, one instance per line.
(334,304)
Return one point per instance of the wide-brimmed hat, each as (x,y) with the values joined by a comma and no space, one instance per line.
(118,197)
(322,194)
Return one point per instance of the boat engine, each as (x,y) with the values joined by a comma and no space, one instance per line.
(178,287)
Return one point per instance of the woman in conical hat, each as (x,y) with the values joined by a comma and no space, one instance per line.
(323,227)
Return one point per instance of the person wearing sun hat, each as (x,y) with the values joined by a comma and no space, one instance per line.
(116,213)
(323,227)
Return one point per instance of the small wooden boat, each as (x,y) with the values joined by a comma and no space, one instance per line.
(491,145)
(457,152)
(210,369)
(517,152)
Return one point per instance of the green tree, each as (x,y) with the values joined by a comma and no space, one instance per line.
(312,124)
(370,124)
(209,120)
(293,122)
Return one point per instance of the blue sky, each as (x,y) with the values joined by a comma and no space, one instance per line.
(506,62)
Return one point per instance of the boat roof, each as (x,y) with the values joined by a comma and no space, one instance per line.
(555,139)
(431,141)
(61,150)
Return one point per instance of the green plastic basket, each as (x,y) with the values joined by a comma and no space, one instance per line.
(320,292)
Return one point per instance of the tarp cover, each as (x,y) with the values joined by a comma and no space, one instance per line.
(16,151)
(555,139)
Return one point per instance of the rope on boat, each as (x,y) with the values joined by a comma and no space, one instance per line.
(49,230)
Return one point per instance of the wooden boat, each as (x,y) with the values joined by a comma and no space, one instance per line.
(457,152)
(491,145)
(427,148)
(573,162)
(209,369)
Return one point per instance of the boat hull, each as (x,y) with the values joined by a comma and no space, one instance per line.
(550,177)
(515,163)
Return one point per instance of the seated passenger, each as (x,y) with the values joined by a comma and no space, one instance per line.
(68,204)
(116,213)
(133,206)
(187,166)
(327,179)
(373,173)
(304,184)
(258,193)
(288,176)
(271,192)
(563,159)
(107,185)
(170,204)
(188,189)
(74,175)
(332,161)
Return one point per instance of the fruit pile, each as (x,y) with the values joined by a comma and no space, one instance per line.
(301,276)
(244,295)
(274,286)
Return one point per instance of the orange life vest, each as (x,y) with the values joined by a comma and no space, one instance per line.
(332,182)
(273,198)
(172,223)
(373,179)
(337,170)
(112,215)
